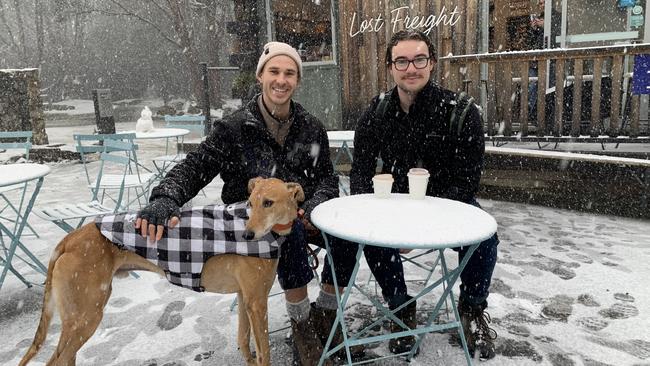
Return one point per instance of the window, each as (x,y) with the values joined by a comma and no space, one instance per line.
(306,25)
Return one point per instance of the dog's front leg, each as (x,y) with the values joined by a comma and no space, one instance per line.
(257,311)
(244,332)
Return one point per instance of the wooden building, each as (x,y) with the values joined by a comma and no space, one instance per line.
(343,42)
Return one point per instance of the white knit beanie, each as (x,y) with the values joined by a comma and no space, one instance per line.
(273,49)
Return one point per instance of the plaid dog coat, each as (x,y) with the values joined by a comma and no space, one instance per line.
(204,231)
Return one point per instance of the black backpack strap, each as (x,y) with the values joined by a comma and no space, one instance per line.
(380,110)
(463,104)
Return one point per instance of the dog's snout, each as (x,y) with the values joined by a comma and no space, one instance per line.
(248,235)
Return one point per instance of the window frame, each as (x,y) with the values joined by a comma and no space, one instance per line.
(270,34)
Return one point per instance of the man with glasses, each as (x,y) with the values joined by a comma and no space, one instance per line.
(410,127)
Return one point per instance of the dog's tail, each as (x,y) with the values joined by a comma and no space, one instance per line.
(46,314)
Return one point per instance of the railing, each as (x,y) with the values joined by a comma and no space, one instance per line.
(563,113)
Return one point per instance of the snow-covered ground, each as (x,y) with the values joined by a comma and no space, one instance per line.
(569,288)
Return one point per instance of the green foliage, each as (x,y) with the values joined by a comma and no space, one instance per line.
(243,84)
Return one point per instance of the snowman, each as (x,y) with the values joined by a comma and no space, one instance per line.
(145,123)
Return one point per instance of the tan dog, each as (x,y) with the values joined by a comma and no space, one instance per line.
(80,300)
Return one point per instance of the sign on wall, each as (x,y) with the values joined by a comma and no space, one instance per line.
(641,76)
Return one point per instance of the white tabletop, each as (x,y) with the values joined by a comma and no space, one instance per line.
(159,133)
(402,222)
(20,173)
(337,138)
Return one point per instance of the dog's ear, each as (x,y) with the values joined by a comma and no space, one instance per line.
(296,190)
(252,182)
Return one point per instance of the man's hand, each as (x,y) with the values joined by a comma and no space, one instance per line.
(311,229)
(537,22)
(151,219)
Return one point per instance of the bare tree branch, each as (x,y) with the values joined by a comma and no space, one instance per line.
(12,39)
(163,10)
(133,14)
(4,41)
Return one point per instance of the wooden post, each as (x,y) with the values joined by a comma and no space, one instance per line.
(617,76)
(507,102)
(491,100)
(634,123)
(523,98)
(596,121)
(577,98)
(559,96)
(541,98)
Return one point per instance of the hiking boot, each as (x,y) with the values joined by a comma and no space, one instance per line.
(323,319)
(306,343)
(404,344)
(479,335)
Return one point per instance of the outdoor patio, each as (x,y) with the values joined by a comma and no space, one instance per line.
(569,288)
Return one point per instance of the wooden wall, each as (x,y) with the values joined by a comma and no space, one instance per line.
(362,56)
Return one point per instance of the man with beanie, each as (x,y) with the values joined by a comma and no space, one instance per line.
(272,136)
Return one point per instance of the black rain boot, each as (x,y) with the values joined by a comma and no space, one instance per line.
(479,335)
(306,343)
(323,319)
(408,316)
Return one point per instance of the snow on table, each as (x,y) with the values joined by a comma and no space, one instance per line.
(402,222)
(19,173)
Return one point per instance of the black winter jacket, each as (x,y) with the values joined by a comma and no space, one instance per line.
(240,147)
(421,138)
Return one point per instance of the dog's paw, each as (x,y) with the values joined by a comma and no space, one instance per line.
(171,317)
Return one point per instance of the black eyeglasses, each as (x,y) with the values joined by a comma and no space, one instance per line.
(419,63)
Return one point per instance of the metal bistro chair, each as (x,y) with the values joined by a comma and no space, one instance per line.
(63,213)
(192,123)
(418,258)
(18,140)
(132,180)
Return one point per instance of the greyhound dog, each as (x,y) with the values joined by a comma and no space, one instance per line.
(80,300)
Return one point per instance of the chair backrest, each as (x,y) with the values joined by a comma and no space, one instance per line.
(16,140)
(111,155)
(97,143)
(192,123)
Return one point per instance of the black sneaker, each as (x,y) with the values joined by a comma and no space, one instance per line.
(479,335)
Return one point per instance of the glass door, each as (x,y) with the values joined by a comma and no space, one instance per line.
(589,23)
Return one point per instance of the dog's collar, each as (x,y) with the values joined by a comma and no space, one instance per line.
(282,227)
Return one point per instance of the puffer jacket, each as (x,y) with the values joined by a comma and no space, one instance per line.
(422,138)
(240,147)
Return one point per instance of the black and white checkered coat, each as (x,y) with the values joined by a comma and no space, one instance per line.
(203,232)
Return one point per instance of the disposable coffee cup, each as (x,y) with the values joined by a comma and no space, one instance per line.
(382,183)
(418,181)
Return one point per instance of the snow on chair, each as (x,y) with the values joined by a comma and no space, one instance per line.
(132,179)
(115,149)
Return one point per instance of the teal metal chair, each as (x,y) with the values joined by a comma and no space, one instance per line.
(22,142)
(136,181)
(63,214)
(195,124)
(426,265)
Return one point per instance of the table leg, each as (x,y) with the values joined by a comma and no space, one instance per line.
(342,300)
(16,238)
(17,211)
(15,272)
(450,277)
